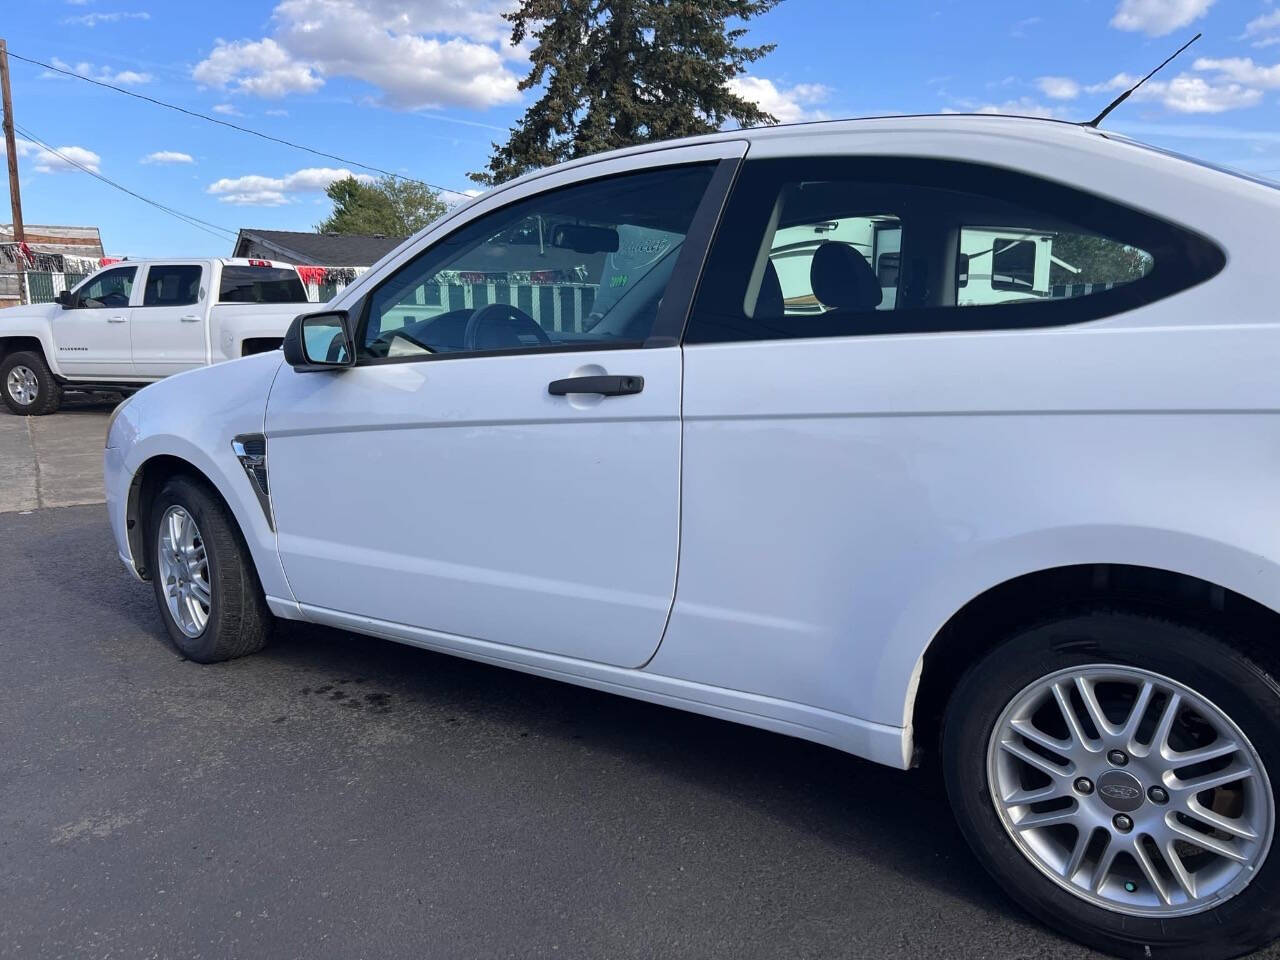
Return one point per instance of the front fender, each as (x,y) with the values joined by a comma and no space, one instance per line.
(193,417)
(32,323)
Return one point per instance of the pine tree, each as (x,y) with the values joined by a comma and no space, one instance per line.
(620,72)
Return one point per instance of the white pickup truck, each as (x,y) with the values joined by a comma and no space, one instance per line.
(136,322)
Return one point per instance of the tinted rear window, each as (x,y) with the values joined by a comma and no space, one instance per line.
(261,285)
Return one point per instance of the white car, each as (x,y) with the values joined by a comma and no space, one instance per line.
(576,428)
(137,321)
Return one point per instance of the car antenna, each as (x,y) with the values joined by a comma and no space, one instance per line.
(1125,96)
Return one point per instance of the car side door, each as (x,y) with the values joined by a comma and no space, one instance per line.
(91,331)
(170,330)
(502,464)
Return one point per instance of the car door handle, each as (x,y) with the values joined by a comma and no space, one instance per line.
(190,318)
(116,319)
(616,386)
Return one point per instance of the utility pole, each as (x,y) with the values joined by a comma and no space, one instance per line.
(11,154)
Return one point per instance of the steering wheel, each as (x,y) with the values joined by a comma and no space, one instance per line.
(501,325)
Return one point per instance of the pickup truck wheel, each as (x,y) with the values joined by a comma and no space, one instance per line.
(1114,772)
(29,387)
(206,586)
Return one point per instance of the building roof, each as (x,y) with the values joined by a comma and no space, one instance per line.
(45,238)
(322,249)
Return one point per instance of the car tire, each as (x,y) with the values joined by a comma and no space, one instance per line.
(23,372)
(1116,653)
(205,583)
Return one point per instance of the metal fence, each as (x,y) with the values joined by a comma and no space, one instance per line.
(42,286)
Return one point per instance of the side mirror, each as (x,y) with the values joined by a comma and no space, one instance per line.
(65,299)
(962,269)
(319,341)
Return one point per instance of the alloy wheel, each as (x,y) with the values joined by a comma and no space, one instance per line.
(1130,790)
(22,384)
(184,571)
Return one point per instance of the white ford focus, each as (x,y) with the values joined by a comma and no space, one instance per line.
(953,437)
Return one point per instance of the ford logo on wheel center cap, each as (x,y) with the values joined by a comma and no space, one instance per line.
(1120,791)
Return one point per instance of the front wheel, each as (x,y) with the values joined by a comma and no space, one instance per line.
(28,384)
(205,583)
(1113,772)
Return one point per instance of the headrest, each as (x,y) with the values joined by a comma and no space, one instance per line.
(769,304)
(842,279)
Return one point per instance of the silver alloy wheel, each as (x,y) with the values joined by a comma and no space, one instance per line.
(1130,790)
(23,385)
(184,571)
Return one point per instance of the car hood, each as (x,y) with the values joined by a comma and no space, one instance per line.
(27,313)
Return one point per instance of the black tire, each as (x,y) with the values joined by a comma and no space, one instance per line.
(48,391)
(1206,663)
(239,622)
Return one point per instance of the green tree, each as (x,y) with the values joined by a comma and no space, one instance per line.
(620,72)
(389,206)
(1098,259)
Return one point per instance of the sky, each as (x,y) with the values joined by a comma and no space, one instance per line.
(423,87)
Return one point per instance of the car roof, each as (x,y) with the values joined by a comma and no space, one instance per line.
(941,124)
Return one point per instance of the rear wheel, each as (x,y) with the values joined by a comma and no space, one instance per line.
(205,583)
(28,385)
(1113,772)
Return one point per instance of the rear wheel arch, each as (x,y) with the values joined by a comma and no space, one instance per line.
(993,616)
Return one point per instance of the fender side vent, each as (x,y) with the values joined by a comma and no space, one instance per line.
(251,450)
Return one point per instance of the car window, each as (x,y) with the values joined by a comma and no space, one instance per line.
(172,285)
(579,266)
(832,246)
(1023,264)
(876,238)
(110,288)
(249,284)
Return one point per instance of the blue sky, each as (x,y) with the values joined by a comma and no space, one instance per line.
(422,87)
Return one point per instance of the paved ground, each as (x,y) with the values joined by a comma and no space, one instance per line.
(337,796)
(53,461)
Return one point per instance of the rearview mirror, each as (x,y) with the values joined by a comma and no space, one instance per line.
(319,341)
(580,239)
(65,299)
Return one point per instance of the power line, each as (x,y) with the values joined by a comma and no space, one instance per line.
(196,222)
(233,126)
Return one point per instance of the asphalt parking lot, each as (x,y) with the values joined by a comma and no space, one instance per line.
(338,796)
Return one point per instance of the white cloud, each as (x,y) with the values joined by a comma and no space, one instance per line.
(259,191)
(93,19)
(48,162)
(1021,107)
(788,104)
(262,67)
(1241,70)
(416,53)
(168,156)
(1059,88)
(1188,94)
(276,113)
(227,110)
(103,73)
(1019,29)
(1255,29)
(1155,18)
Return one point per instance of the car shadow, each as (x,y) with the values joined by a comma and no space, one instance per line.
(899,819)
